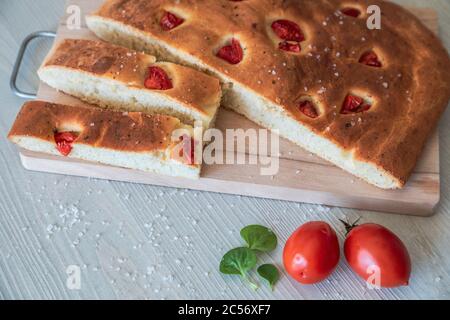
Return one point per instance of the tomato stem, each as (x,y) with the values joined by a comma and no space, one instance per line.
(349,227)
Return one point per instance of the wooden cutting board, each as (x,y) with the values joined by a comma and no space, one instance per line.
(302,177)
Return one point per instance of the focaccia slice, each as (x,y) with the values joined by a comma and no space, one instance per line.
(116,77)
(125,139)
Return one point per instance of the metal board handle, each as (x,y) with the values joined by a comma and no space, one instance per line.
(17,64)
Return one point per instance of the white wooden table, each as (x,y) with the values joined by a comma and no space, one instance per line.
(135,241)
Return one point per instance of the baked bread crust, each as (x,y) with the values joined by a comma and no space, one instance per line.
(105,60)
(409,93)
(126,133)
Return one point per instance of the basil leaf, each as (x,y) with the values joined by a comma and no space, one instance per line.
(270,273)
(259,238)
(238,261)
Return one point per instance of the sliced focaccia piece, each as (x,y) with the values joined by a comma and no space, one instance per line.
(153,143)
(111,76)
(364,99)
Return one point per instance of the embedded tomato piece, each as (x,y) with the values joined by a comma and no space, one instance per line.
(157,79)
(187,152)
(231,53)
(370,59)
(351,12)
(290,47)
(170,21)
(308,109)
(64,142)
(354,104)
(288,30)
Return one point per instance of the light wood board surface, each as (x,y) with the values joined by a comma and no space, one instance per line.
(142,241)
(302,177)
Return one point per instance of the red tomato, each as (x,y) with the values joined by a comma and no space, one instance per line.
(311,253)
(371,249)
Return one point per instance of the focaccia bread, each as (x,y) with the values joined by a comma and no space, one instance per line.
(366,100)
(126,139)
(111,76)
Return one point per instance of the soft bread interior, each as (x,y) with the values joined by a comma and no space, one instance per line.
(249,103)
(109,93)
(126,36)
(157,162)
(269,115)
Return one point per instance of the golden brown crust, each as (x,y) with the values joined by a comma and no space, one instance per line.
(121,131)
(131,68)
(411,90)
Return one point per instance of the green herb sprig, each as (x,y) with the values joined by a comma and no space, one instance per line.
(240,261)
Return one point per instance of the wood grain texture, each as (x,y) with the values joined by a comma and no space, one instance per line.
(139,241)
(302,177)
